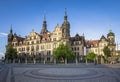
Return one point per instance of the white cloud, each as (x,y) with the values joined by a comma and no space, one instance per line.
(2,34)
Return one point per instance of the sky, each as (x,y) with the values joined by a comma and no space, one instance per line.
(93,18)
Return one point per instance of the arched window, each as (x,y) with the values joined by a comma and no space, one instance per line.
(32,48)
(37,48)
(64,30)
(28,48)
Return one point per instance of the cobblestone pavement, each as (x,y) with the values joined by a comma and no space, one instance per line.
(65,73)
(3,72)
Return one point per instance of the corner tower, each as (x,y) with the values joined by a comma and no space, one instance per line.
(111,42)
(111,37)
(65,27)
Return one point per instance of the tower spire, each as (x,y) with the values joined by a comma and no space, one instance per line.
(44,23)
(11,31)
(44,18)
(65,17)
(44,27)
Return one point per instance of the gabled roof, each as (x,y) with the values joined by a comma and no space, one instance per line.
(103,37)
(77,37)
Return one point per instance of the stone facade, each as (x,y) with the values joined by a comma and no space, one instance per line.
(97,46)
(42,44)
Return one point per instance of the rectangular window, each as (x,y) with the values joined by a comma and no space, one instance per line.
(78,48)
(95,50)
(32,42)
(37,42)
(54,39)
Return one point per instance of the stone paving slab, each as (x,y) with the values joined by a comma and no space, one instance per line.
(62,73)
(32,74)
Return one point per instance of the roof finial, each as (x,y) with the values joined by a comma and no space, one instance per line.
(32,30)
(110,30)
(44,17)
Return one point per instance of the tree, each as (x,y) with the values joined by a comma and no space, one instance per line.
(107,51)
(63,52)
(91,56)
(11,53)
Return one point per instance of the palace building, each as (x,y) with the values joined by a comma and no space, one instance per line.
(97,46)
(41,45)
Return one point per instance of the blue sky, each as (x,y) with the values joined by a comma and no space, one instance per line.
(91,17)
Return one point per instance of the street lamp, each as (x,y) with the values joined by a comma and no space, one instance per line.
(45,54)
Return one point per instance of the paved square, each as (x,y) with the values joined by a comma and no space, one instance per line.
(63,73)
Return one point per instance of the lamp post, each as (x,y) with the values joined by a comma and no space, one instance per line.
(76,59)
(45,57)
(45,54)
(19,58)
(34,59)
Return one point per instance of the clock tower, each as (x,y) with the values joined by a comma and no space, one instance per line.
(65,28)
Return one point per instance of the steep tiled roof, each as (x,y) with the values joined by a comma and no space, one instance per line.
(46,36)
(92,43)
(20,38)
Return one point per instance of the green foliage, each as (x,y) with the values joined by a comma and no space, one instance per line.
(91,56)
(107,51)
(11,53)
(63,51)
